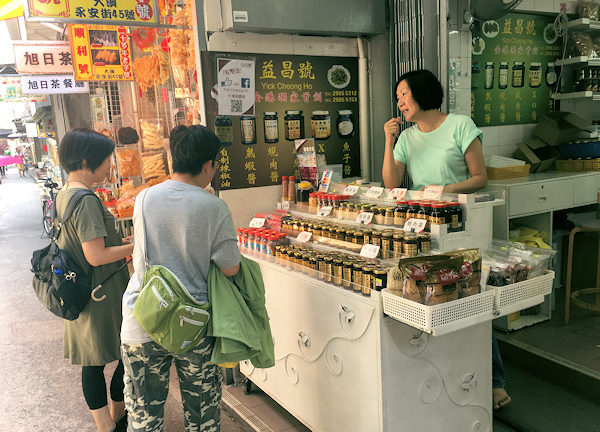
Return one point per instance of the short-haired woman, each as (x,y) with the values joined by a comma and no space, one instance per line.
(186,227)
(90,238)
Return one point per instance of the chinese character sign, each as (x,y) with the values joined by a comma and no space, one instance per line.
(95,11)
(34,57)
(513,74)
(236,86)
(101,53)
(52,84)
(259,104)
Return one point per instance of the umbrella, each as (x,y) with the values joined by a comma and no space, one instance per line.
(9,160)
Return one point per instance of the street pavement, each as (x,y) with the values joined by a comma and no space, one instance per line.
(41,391)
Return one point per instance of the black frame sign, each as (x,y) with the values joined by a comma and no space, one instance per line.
(295,96)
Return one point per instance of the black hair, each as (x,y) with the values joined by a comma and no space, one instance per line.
(82,144)
(192,147)
(426,89)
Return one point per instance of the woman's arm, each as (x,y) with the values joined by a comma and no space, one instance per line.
(392,170)
(476,166)
(97,254)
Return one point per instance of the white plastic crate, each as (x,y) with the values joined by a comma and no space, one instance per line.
(443,318)
(521,295)
(496,161)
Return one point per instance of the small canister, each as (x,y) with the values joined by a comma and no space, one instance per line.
(328,269)
(376,238)
(398,240)
(367,236)
(313,266)
(411,244)
(367,279)
(386,244)
(358,236)
(357,276)
(347,273)
(338,270)
(424,242)
(340,234)
(379,278)
(321,267)
(389,216)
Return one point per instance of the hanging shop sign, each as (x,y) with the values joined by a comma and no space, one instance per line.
(43,58)
(52,84)
(141,12)
(294,97)
(512,71)
(101,53)
(10,91)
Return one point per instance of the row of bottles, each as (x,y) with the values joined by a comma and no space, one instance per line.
(517,75)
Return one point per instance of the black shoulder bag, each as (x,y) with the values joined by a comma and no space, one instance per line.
(59,283)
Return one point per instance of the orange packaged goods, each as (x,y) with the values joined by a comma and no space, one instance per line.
(157,180)
(128,162)
(125,204)
(153,165)
(151,135)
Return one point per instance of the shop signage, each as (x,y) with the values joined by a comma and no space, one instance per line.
(43,58)
(433,193)
(101,53)
(10,91)
(325,211)
(304,237)
(374,192)
(235,87)
(369,251)
(257,223)
(52,84)
(351,190)
(415,225)
(364,218)
(295,98)
(512,71)
(95,11)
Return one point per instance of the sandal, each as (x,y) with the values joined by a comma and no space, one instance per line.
(500,398)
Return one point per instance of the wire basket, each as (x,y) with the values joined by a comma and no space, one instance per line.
(496,161)
(521,295)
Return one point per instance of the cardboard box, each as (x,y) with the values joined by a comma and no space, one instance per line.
(538,154)
(559,127)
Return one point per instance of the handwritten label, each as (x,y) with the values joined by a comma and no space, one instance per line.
(397,193)
(285,205)
(415,225)
(304,237)
(325,181)
(351,190)
(364,218)
(374,192)
(369,251)
(257,223)
(325,210)
(433,192)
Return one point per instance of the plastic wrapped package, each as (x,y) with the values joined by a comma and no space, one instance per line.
(580,44)
(539,260)
(153,165)
(151,135)
(128,162)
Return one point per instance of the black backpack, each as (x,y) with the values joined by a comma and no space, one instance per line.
(59,283)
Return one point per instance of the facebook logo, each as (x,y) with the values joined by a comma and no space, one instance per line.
(246,83)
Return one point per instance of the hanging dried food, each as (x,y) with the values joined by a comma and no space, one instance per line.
(152,70)
(166,6)
(128,161)
(144,37)
(181,42)
(153,165)
(151,135)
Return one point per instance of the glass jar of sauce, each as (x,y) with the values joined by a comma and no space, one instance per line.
(518,73)
(367,236)
(320,125)
(347,273)
(345,124)
(321,267)
(437,215)
(293,125)
(411,244)
(411,211)
(379,278)
(338,270)
(248,129)
(535,74)
(357,276)
(424,242)
(376,238)
(386,244)
(389,216)
(271,127)
(367,279)
(400,213)
(328,269)
(224,130)
(398,242)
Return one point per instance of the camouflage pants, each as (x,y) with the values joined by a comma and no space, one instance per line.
(147,385)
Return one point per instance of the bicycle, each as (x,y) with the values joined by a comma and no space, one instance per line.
(48,199)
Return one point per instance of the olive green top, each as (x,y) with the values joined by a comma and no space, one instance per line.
(93,338)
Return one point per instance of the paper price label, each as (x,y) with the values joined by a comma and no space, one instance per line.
(325,210)
(257,223)
(397,194)
(433,192)
(285,205)
(374,192)
(325,181)
(415,225)
(351,190)
(369,251)
(364,218)
(304,237)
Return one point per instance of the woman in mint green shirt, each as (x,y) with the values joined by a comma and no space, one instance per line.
(440,149)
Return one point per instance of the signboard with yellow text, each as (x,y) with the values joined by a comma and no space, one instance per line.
(95,11)
(101,53)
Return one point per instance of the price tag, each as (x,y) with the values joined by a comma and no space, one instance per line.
(285,205)
(351,190)
(325,181)
(325,210)
(369,251)
(364,218)
(304,237)
(397,194)
(374,192)
(433,192)
(415,225)
(257,222)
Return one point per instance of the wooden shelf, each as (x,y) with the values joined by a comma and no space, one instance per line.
(595,96)
(583,60)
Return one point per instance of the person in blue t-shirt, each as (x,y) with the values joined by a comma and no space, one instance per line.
(439,149)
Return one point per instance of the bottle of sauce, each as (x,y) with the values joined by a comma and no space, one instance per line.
(248,129)
(345,124)
(224,130)
(291,194)
(489,75)
(503,75)
(293,125)
(518,73)
(320,125)
(284,188)
(271,127)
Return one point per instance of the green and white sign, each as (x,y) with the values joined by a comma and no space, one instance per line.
(513,74)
